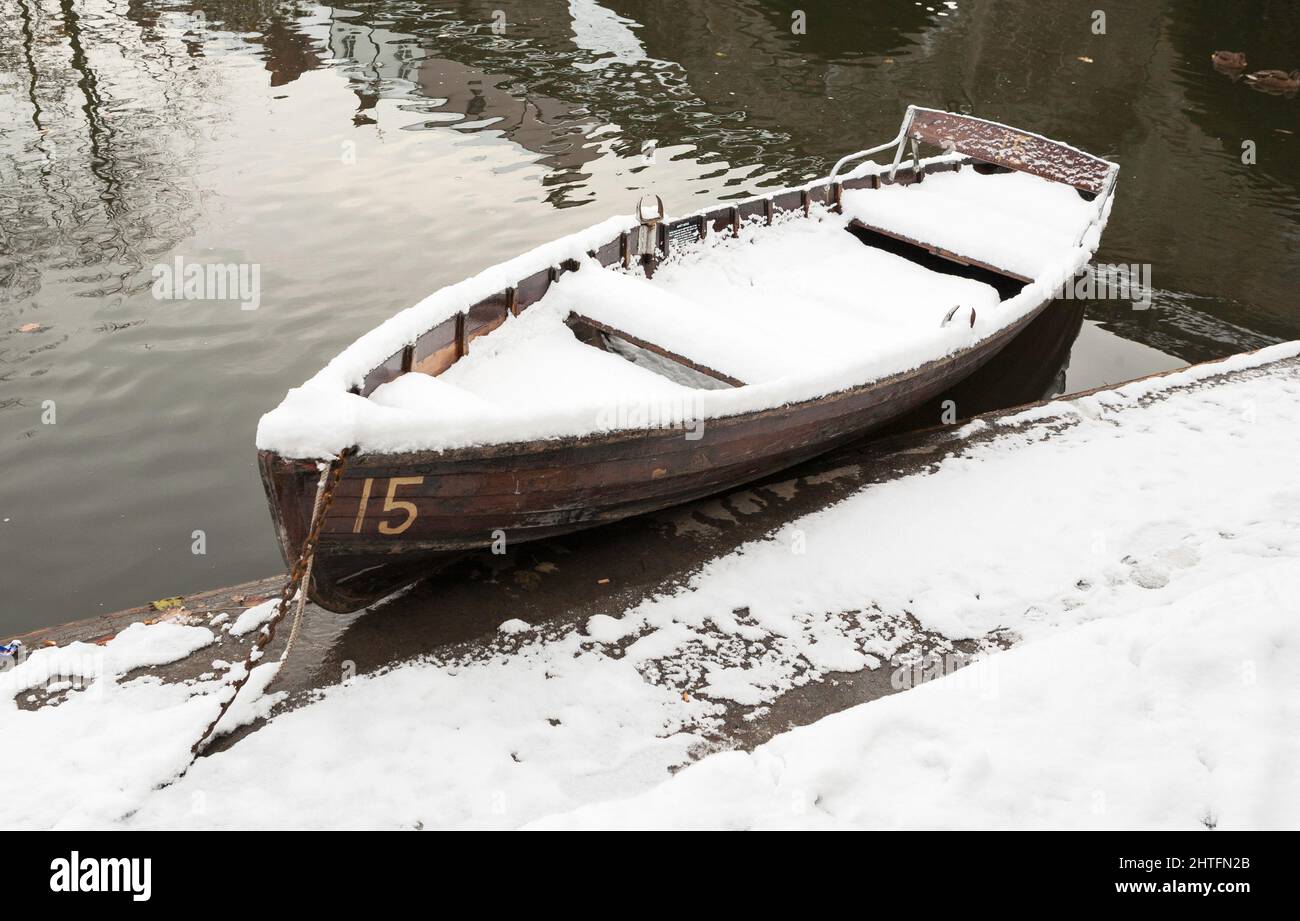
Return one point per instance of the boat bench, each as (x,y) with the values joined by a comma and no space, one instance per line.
(762,309)
(648,316)
(1012,223)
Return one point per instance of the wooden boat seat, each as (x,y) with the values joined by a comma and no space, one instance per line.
(1013,223)
(642,311)
(783,301)
(536,362)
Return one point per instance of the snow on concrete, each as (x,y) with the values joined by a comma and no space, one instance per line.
(1179,715)
(252,702)
(138,646)
(99,751)
(1134,541)
(254,617)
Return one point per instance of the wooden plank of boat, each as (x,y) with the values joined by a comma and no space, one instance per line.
(938,250)
(586,325)
(1012,148)
(440,465)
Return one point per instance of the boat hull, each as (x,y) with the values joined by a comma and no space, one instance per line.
(396,518)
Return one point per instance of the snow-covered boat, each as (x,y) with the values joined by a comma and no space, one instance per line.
(645,362)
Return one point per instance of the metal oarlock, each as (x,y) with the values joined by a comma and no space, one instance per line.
(952,313)
(649,215)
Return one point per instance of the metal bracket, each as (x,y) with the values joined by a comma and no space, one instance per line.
(649,214)
(952,313)
(1101,204)
(902,135)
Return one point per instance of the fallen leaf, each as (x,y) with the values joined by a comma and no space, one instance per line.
(30,328)
(546,567)
(526,578)
(1084,58)
(166,604)
(602,582)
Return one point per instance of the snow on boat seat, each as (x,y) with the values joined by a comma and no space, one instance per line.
(1013,222)
(536,361)
(530,367)
(782,301)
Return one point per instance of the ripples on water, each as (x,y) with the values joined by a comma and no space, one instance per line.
(365,156)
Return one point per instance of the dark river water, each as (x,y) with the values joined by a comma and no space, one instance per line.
(364,156)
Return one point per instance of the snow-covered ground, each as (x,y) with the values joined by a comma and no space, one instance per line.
(1141,546)
(1181,714)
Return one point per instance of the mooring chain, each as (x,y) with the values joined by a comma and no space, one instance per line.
(298,576)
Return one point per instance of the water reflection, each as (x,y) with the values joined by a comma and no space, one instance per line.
(366,155)
(569,81)
(385,64)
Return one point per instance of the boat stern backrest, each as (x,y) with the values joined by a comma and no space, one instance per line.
(1019,224)
(1010,147)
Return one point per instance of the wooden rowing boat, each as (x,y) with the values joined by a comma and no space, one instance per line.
(691,355)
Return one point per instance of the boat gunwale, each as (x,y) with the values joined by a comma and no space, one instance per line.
(497,450)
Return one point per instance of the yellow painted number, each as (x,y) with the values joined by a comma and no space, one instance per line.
(391,504)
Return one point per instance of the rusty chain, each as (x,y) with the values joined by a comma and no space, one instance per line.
(297,576)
